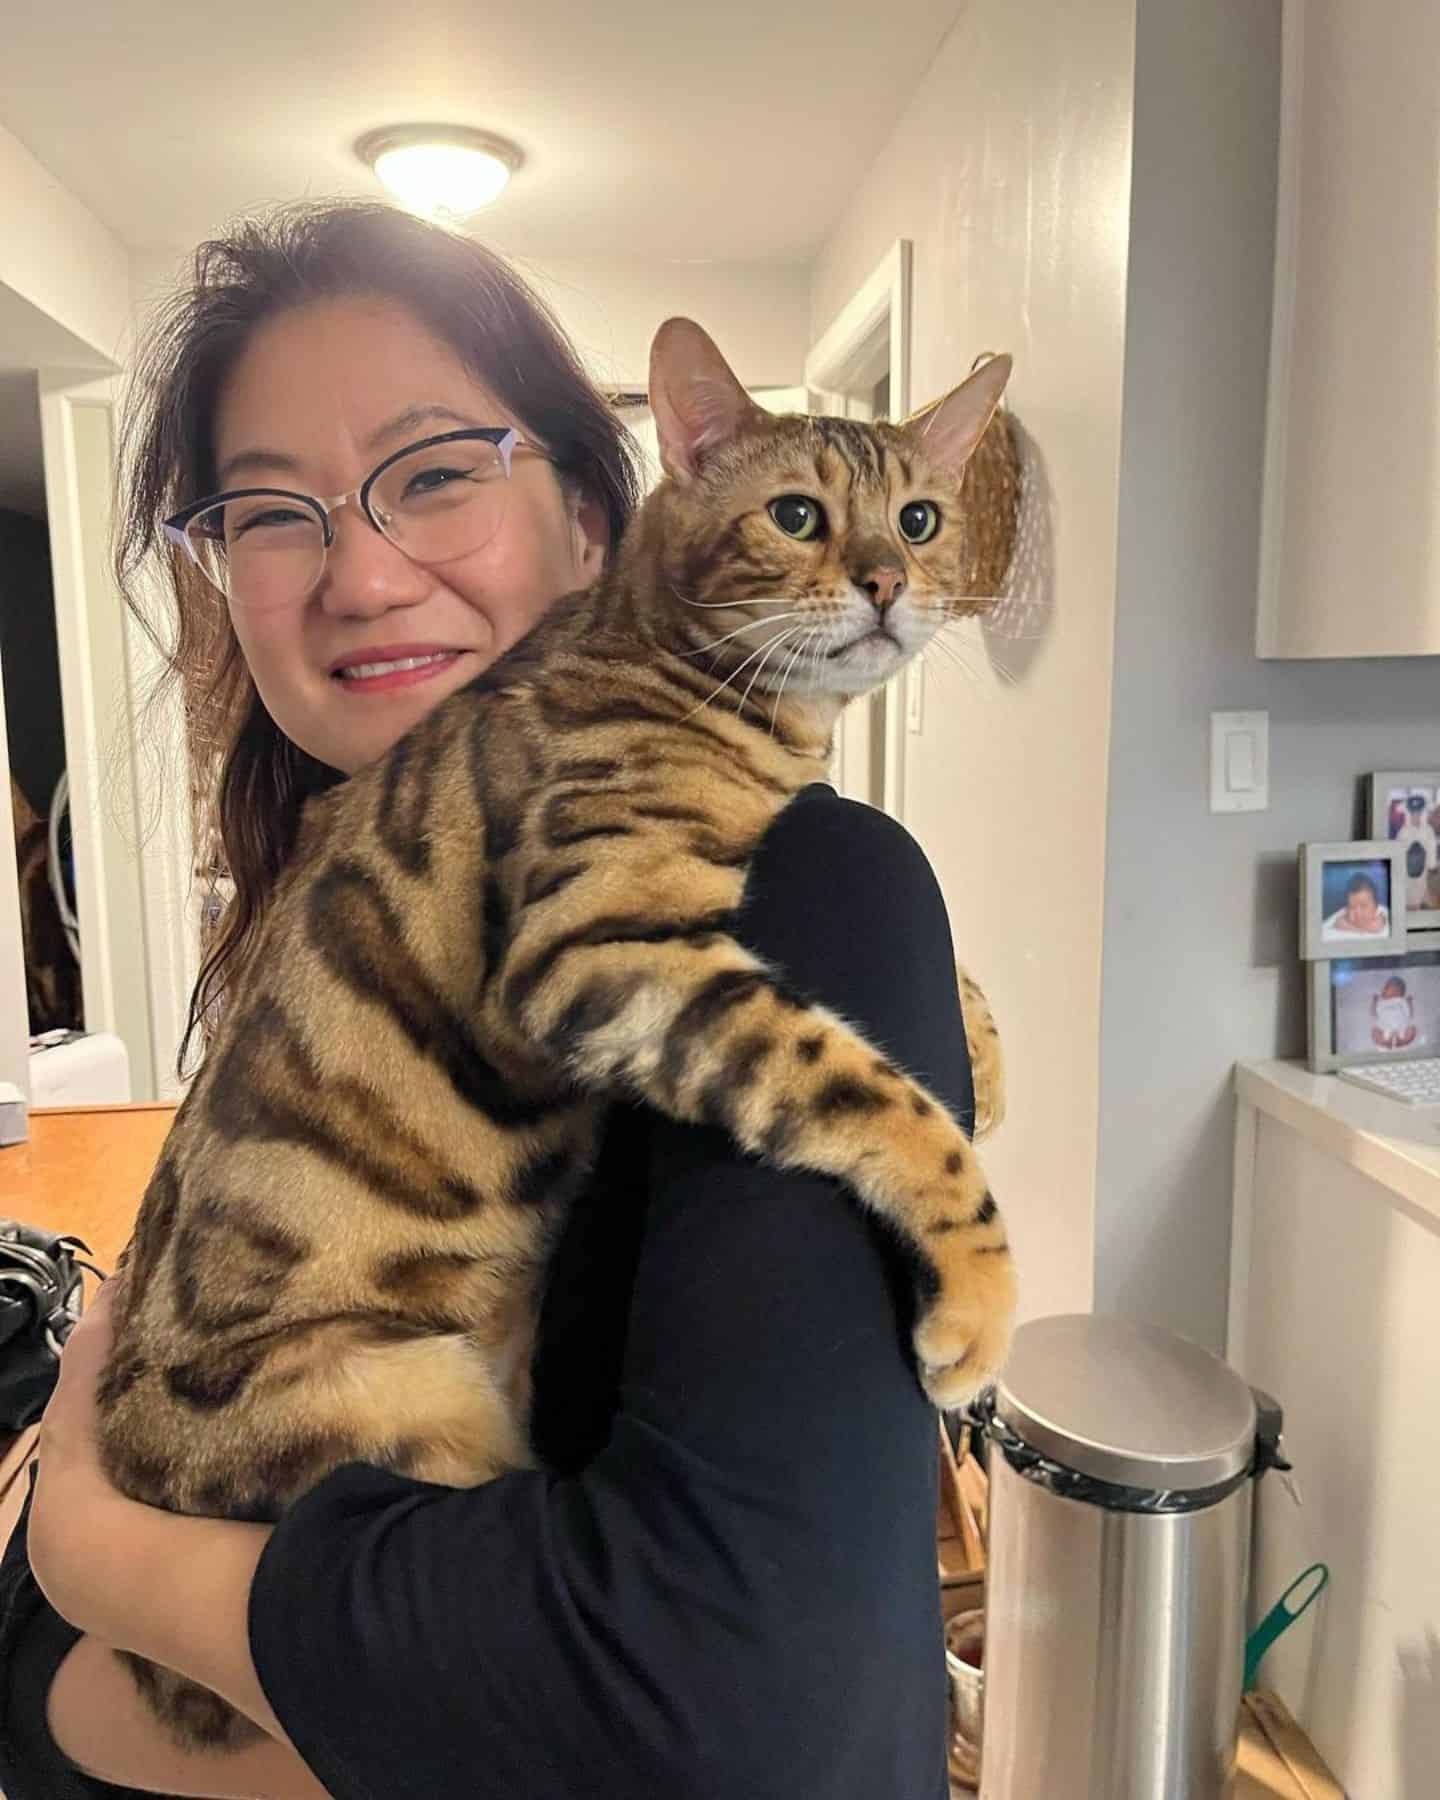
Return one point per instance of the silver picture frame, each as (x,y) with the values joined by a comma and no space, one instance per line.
(1321,980)
(1376,861)
(1385,786)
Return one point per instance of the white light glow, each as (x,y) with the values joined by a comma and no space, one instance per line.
(443,180)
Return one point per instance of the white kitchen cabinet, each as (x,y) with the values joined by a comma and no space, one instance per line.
(1335,1272)
(1350,550)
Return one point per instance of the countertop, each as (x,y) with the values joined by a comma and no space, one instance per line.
(84,1171)
(1396,1145)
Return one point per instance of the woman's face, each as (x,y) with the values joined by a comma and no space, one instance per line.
(328,391)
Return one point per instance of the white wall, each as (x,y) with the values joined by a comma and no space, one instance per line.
(59,260)
(757,313)
(1010,171)
(1183,996)
(1200,936)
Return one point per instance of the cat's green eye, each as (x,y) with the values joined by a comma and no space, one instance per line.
(919,521)
(798,517)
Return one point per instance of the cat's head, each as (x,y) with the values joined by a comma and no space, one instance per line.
(819,553)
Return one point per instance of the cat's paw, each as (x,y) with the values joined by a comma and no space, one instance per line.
(963,1336)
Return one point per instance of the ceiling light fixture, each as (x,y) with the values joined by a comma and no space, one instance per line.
(440,171)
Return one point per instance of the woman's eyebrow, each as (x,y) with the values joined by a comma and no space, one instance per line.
(418,415)
(264,462)
(260,462)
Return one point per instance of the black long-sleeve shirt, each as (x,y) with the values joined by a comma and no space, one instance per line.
(722,1586)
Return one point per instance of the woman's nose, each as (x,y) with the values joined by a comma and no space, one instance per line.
(365,574)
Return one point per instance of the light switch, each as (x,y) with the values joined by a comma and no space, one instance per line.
(1239,762)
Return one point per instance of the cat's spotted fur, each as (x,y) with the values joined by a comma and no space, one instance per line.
(525,906)
(987,1063)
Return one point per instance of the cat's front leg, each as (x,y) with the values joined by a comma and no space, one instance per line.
(692,1022)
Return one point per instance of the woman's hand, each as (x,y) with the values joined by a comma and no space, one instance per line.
(77,1515)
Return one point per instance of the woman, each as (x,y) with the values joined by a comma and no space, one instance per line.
(723,1581)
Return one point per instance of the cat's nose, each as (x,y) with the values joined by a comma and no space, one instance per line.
(884,585)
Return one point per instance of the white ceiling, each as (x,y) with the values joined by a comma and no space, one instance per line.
(736,131)
(22,468)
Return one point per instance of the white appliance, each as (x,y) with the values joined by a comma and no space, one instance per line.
(78,1069)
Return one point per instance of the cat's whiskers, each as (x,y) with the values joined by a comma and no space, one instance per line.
(951,654)
(738,670)
(997,663)
(798,652)
(774,642)
(948,653)
(817,651)
(755,600)
(749,625)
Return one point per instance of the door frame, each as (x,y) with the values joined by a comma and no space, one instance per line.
(873,323)
(133,892)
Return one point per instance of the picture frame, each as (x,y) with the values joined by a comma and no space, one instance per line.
(1373,1010)
(1388,790)
(1347,900)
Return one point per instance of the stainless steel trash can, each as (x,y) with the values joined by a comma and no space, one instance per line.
(1121,1465)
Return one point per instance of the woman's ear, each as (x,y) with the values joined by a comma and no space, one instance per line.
(695,397)
(590,525)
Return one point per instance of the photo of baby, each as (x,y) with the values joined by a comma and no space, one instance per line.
(1394,1014)
(1412,820)
(1387,1003)
(1354,901)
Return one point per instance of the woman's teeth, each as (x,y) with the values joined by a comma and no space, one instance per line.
(363,671)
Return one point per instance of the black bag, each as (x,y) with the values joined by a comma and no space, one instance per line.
(42,1291)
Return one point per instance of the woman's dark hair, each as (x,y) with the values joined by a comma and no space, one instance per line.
(248,780)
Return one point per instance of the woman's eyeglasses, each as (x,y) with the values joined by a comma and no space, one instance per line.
(436,500)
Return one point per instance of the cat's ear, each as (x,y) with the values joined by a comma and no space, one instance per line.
(697,402)
(952,427)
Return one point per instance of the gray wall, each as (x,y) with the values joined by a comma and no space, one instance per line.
(1200,961)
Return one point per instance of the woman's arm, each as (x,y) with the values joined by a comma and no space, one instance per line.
(99,1721)
(166,1587)
(72,1726)
(170,1592)
(177,1594)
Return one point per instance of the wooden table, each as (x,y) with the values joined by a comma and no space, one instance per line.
(83,1171)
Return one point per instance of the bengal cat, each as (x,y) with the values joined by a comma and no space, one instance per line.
(526,906)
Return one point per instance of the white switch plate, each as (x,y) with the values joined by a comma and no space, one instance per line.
(1239,762)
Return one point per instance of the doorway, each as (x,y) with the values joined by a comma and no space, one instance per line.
(74,742)
(29,656)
